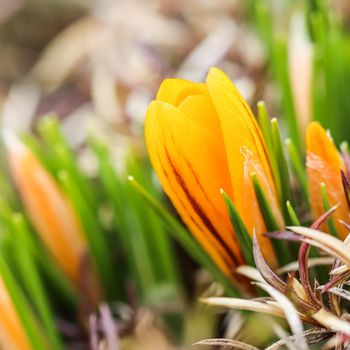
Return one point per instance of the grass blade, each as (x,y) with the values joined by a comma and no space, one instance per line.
(280,247)
(185,239)
(31,280)
(241,232)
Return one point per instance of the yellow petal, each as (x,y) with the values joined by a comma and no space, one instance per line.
(191,164)
(323,165)
(200,110)
(12,334)
(174,91)
(246,153)
(48,208)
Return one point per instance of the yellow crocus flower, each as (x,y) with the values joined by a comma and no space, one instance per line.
(202,137)
(324,164)
(12,334)
(49,209)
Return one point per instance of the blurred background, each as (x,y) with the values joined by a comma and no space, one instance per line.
(102,61)
(94,66)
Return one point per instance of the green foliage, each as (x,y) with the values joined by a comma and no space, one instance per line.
(29,275)
(132,248)
(331,73)
(241,232)
(281,249)
(330,62)
(30,324)
(186,240)
(277,52)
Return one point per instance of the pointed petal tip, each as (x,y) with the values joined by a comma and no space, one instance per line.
(214,70)
(157,111)
(315,124)
(152,105)
(314,131)
(151,113)
(157,105)
(214,73)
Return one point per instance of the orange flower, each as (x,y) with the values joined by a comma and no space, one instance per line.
(201,138)
(48,208)
(12,334)
(323,165)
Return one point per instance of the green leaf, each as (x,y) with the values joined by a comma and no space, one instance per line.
(60,157)
(32,281)
(114,189)
(149,257)
(29,322)
(292,215)
(185,239)
(46,264)
(266,211)
(157,242)
(331,72)
(265,126)
(298,166)
(286,194)
(281,73)
(280,247)
(241,232)
(294,221)
(95,237)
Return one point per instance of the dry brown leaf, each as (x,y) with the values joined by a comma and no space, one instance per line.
(324,241)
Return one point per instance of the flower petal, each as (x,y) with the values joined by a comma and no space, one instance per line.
(174,91)
(246,153)
(48,208)
(12,334)
(201,110)
(191,165)
(323,165)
